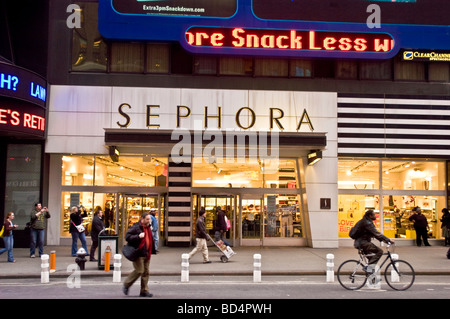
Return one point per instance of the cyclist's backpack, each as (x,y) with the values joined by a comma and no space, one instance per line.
(355,231)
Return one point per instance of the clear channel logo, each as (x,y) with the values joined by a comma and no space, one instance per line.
(408,55)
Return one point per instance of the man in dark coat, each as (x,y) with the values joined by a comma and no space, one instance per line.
(140,236)
(201,236)
(367,231)
(96,228)
(421,226)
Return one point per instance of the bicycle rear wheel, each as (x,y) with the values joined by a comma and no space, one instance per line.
(351,275)
(399,275)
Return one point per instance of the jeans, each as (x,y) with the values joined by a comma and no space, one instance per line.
(220,236)
(155,239)
(37,238)
(9,243)
(75,236)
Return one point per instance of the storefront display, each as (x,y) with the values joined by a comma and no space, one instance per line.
(405,185)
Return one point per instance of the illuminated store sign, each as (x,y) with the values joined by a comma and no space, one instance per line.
(351,29)
(426,55)
(22,84)
(21,117)
(289,39)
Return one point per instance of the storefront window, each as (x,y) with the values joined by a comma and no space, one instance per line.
(358,174)
(248,174)
(131,171)
(404,184)
(23,176)
(352,209)
(70,199)
(77,170)
(398,209)
(282,216)
(413,175)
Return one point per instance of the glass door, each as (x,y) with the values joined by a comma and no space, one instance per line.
(252,229)
(132,208)
(209,203)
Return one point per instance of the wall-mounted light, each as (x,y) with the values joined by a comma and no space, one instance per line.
(314,157)
(114,153)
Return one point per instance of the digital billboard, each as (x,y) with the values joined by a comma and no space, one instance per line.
(362,29)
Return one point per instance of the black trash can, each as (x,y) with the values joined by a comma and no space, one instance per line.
(107,240)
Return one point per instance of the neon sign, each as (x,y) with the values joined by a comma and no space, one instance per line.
(289,39)
(328,28)
(19,83)
(22,117)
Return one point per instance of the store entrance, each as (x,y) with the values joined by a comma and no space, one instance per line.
(252,230)
(210,202)
(133,205)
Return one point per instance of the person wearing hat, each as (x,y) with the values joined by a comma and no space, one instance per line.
(421,226)
(155,229)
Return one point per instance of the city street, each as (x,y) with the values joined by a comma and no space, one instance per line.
(222,288)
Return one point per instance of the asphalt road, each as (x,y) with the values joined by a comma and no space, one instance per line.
(271,288)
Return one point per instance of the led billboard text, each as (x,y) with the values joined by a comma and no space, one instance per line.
(289,39)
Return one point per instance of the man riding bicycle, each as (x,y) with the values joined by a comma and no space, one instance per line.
(363,231)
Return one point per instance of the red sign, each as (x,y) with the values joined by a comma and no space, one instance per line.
(289,39)
(22,117)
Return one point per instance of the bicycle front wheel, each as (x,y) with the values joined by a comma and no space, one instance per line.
(399,275)
(351,275)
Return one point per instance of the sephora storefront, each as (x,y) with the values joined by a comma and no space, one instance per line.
(268,158)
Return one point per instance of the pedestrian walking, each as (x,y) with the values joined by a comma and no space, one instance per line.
(446,226)
(201,237)
(155,229)
(8,238)
(77,220)
(38,217)
(421,226)
(96,228)
(140,236)
(221,226)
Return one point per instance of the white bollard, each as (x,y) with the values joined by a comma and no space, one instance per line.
(394,275)
(330,268)
(45,269)
(256,268)
(374,280)
(185,268)
(117,274)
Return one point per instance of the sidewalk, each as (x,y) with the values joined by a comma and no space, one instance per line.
(275,261)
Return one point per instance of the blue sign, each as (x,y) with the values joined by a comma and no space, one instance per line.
(291,28)
(22,84)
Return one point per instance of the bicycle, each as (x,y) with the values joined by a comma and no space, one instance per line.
(353,274)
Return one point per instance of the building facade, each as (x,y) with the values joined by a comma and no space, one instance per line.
(23,112)
(135,124)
